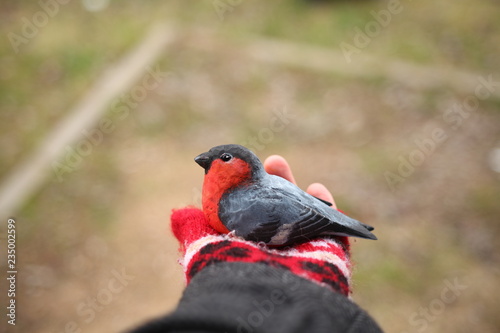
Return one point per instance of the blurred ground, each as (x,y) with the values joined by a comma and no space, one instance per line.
(398,157)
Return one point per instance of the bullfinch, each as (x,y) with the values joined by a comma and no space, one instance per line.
(241,198)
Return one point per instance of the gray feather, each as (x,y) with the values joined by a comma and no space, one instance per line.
(277,212)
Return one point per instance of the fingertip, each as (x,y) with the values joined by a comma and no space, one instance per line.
(278,166)
(189,224)
(320,191)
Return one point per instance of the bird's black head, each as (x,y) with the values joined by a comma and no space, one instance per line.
(228,155)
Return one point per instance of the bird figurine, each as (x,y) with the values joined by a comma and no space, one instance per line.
(241,198)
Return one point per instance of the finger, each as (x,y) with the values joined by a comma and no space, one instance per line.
(278,166)
(189,224)
(320,191)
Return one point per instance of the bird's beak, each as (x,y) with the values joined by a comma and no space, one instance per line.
(203,160)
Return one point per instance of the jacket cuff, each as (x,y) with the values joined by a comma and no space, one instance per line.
(243,297)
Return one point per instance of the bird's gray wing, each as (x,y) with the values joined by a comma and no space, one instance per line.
(342,224)
(277,214)
(329,204)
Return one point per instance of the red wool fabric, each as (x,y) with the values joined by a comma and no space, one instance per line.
(325,261)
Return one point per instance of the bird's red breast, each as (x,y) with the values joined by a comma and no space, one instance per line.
(221,177)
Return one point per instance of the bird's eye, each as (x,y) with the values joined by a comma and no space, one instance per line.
(226,157)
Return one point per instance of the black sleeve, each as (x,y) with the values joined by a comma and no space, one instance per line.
(242,297)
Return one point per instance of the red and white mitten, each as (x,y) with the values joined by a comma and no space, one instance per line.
(325,261)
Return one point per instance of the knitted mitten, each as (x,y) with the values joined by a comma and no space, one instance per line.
(325,261)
